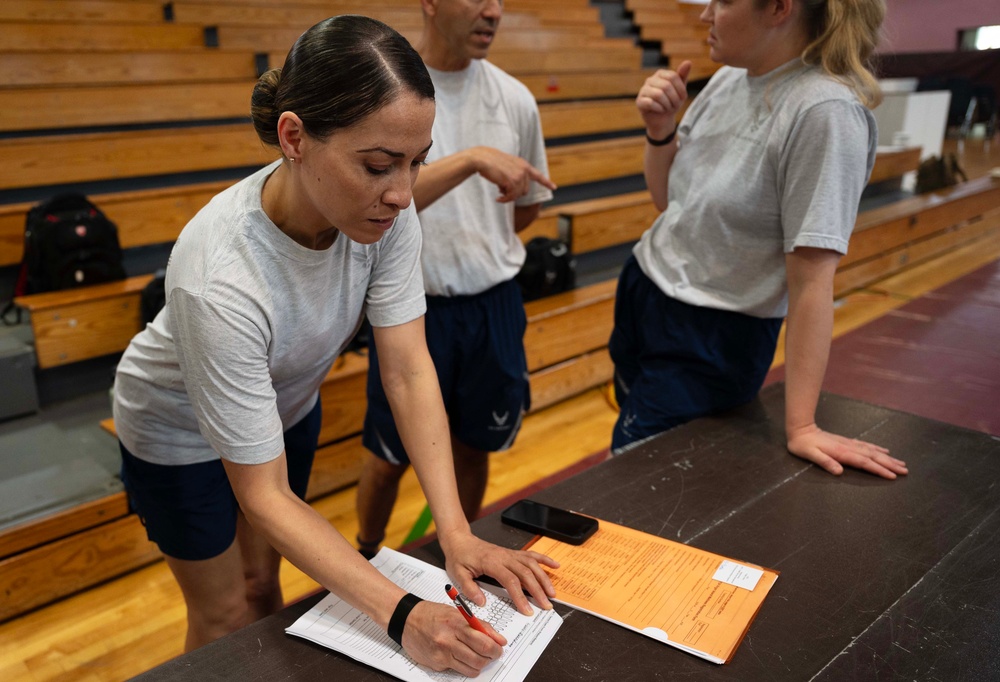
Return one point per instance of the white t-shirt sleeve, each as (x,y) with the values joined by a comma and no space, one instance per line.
(224,363)
(824,167)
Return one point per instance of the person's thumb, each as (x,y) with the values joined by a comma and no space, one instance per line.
(684,70)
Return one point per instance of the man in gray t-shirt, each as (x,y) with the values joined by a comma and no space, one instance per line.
(485,180)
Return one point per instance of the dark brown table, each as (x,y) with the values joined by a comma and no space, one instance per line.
(879,580)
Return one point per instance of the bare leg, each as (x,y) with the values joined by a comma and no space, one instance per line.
(377,492)
(472,470)
(214,592)
(261,564)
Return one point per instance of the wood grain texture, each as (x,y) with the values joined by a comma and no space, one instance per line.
(81,11)
(49,37)
(81,560)
(109,68)
(572,164)
(606,224)
(102,156)
(914,252)
(87,515)
(85,330)
(562,86)
(572,377)
(343,397)
(893,164)
(335,466)
(565,119)
(81,106)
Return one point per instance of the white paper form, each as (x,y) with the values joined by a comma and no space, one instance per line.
(339,626)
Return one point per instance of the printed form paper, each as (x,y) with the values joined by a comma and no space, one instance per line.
(691,599)
(339,626)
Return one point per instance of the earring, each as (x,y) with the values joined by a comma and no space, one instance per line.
(292,159)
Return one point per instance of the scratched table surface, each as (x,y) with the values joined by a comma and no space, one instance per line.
(879,580)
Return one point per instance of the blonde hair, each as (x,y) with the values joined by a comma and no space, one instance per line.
(843,35)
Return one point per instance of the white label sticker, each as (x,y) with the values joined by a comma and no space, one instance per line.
(738,575)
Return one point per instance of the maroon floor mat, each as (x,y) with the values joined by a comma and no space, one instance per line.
(938,356)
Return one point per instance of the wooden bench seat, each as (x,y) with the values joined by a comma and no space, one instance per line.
(520,14)
(649,16)
(663,5)
(183,68)
(82,11)
(557,77)
(215,13)
(58,159)
(84,323)
(890,239)
(156,216)
(674,47)
(271,38)
(76,107)
(566,119)
(573,164)
(894,163)
(673,32)
(569,86)
(47,37)
(112,68)
(71,107)
(609,221)
(520,62)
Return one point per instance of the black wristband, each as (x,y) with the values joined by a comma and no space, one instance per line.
(398,619)
(665,141)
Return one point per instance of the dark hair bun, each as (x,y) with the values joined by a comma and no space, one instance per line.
(263,107)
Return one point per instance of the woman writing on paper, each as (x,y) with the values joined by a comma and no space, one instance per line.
(759,186)
(216,402)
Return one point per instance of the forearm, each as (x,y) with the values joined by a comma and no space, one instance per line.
(420,417)
(657,163)
(313,545)
(440,177)
(809,329)
(525,215)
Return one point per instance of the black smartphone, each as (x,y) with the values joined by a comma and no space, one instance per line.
(559,524)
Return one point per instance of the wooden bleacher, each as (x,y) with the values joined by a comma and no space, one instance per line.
(565,341)
(559,52)
(679,31)
(78,324)
(567,334)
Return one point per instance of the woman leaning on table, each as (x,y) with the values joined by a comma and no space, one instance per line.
(217,400)
(759,186)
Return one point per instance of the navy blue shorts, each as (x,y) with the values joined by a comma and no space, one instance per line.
(675,362)
(477,344)
(189,511)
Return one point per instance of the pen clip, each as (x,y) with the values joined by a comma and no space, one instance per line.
(457,599)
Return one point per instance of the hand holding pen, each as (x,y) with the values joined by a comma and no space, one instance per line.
(470,617)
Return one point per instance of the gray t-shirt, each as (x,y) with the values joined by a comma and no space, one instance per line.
(252,324)
(764,165)
(469,240)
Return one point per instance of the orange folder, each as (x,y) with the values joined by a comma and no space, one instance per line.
(697,601)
